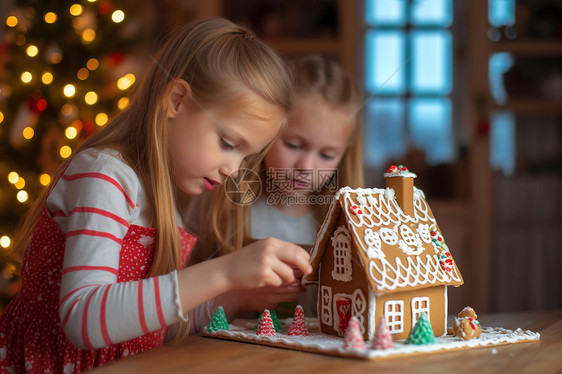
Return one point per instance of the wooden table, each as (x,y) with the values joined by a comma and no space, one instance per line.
(208,355)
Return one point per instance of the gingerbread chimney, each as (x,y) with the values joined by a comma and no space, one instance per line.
(402,182)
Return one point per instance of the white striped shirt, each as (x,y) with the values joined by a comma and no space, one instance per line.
(95,203)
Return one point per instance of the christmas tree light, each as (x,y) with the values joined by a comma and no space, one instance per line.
(59,67)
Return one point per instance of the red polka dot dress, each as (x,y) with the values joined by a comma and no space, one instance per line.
(86,298)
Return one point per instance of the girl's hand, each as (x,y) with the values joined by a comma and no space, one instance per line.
(267,263)
(256,299)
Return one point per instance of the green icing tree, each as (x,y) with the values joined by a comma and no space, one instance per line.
(218,322)
(274,319)
(422,333)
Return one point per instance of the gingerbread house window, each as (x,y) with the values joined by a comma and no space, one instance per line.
(342,255)
(419,305)
(394,314)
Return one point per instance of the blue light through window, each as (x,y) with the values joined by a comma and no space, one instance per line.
(409,80)
(385,12)
(432,13)
(385,135)
(431,63)
(385,54)
(502,142)
(501,12)
(498,64)
(430,126)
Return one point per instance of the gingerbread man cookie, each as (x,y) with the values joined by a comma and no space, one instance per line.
(466,325)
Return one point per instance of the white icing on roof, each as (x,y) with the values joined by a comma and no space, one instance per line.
(374,209)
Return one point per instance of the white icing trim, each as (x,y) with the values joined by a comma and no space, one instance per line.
(418,310)
(326,310)
(388,314)
(341,243)
(373,242)
(388,277)
(359,303)
(372,313)
(400,173)
(446,298)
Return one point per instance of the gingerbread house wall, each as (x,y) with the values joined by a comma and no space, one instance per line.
(330,289)
(437,298)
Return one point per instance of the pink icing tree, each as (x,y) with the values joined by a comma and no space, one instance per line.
(353,338)
(266,325)
(382,339)
(298,325)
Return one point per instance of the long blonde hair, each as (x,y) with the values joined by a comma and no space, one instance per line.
(218,59)
(224,225)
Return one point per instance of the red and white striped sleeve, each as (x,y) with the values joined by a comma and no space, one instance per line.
(95,201)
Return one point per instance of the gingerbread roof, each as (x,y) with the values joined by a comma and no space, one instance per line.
(398,251)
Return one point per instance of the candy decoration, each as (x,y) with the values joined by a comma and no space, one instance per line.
(355,209)
(382,339)
(353,338)
(396,169)
(298,325)
(446,261)
(422,333)
(274,319)
(218,322)
(265,326)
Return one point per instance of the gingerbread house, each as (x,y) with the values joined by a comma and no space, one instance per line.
(380,252)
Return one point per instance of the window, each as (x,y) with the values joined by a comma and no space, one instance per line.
(501,13)
(342,255)
(409,80)
(394,313)
(419,305)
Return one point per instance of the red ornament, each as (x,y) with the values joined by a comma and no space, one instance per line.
(266,325)
(105,8)
(116,58)
(298,325)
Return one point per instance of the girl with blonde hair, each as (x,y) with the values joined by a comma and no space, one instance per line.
(318,152)
(103,271)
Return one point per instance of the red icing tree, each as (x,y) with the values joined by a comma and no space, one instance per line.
(382,339)
(298,325)
(353,338)
(266,325)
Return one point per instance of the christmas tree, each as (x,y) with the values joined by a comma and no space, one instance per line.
(422,333)
(65,68)
(274,319)
(298,324)
(265,326)
(382,339)
(353,338)
(219,321)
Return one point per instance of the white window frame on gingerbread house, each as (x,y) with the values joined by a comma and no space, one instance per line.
(342,255)
(419,305)
(394,315)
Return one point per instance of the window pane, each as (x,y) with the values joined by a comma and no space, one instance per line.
(432,13)
(384,64)
(430,126)
(498,64)
(385,131)
(502,140)
(431,62)
(385,12)
(501,12)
